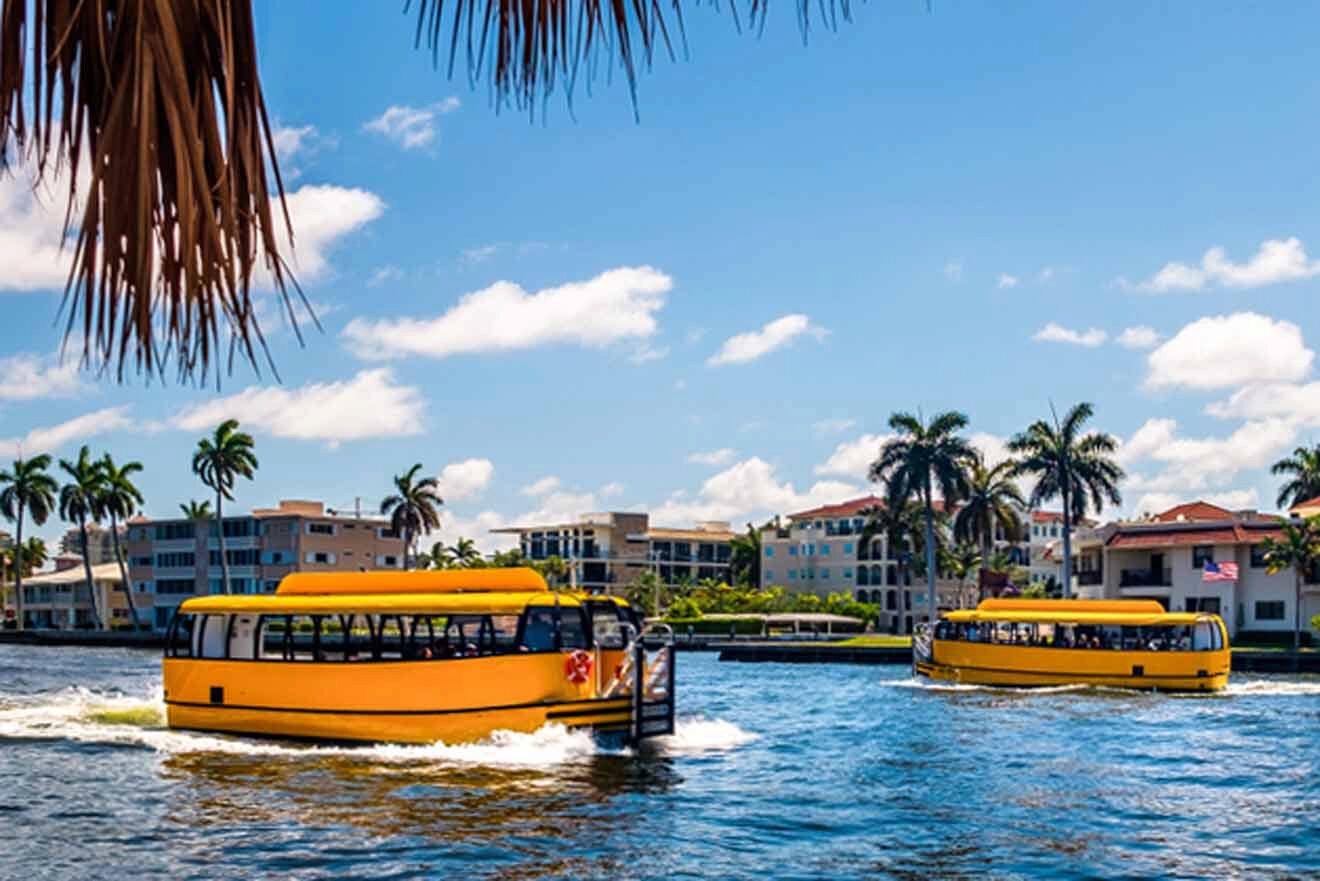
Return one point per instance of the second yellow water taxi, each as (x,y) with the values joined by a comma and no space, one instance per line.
(417,657)
(1123,643)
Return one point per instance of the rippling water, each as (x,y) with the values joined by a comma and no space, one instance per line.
(776,771)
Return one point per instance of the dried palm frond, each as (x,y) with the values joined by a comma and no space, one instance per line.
(156,109)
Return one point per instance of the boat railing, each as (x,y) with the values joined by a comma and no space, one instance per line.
(921,644)
(647,676)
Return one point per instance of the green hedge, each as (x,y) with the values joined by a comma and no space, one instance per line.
(1247,638)
(714,625)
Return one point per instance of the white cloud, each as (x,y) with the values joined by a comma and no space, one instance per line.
(1153,435)
(383,274)
(411,127)
(28,376)
(1139,337)
(1276,261)
(1055,333)
(291,141)
(369,405)
(776,334)
(715,457)
(1299,403)
(853,458)
(1190,465)
(51,438)
(322,215)
(541,487)
(611,490)
(31,228)
(463,480)
(1233,500)
(953,271)
(560,507)
(616,305)
(992,447)
(480,254)
(1230,350)
(1006,281)
(833,426)
(478,528)
(645,353)
(747,489)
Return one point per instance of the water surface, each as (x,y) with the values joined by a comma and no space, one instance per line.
(787,771)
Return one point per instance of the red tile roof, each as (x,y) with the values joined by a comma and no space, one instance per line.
(1197,510)
(1047,516)
(843,509)
(1213,535)
(1309,503)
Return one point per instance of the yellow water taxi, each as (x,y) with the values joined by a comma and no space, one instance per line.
(416,657)
(1124,643)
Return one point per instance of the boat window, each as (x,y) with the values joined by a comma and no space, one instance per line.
(213,631)
(538,630)
(390,634)
(242,637)
(1201,637)
(275,638)
(608,624)
(303,639)
(178,642)
(550,628)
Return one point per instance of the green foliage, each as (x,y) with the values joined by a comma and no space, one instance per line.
(717,626)
(1035,591)
(745,557)
(413,508)
(712,599)
(1303,471)
(684,608)
(1298,549)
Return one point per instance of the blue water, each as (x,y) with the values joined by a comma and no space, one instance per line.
(777,771)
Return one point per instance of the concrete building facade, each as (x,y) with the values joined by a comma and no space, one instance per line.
(100,543)
(60,600)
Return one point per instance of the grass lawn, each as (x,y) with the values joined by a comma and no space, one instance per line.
(880,641)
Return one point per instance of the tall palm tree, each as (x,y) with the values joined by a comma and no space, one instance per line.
(441,556)
(745,557)
(413,508)
(219,461)
(924,457)
(1303,469)
(992,506)
(160,113)
(195,510)
(118,499)
(79,501)
(1298,549)
(1079,469)
(26,490)
(35,554)
(465,553)
(962,562)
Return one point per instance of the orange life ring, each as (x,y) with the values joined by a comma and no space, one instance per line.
(577,667)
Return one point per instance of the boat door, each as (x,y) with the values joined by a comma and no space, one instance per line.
(242,637)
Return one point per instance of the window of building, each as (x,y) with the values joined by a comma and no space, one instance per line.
(272,586)
(323,557)
(825,573)
(769,575)
(847,572)
(792,550)
(320,529)
(848,547)
(386,532)
(1209,605)
(175,531)
(769,552)
(175,560)
(236,557)
(1202,554)
(824,549)
(387,560)
(1258,556)
(139,561)
(169,586)
(1269,610)
(792,575)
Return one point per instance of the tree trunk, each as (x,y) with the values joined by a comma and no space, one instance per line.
(930,552)
(87,568)
(123,574)
(1067,546)
(18,571)
(407,546)
(220,534)
(1297,621)
(985,563)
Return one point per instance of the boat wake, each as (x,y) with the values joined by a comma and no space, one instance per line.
(1237,688)
(82,716)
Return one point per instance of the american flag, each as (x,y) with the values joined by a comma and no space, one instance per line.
(1219,571)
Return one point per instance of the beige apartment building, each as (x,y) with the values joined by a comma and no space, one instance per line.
(60,600)
(611,549)
(100,543)
(173,560)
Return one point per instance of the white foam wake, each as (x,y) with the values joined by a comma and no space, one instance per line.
(79,715)
(1273,687)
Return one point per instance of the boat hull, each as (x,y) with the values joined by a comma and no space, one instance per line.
(1036,667)
(454,701)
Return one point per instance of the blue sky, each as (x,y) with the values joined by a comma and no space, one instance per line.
(956,208)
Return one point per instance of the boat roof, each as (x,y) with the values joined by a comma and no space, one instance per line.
(424,581)
(1124,612)
(479,603)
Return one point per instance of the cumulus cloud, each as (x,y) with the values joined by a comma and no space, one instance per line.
(51,438)
(1006,281)
(992,447)
(383,274)
(371,404)
(853,458)
(31,229)
(1153,435)
(1139,337)
(477,527)
(611,490)
(541,487)
(1276,261)
(411,127)
(28,376)
(322,216)
(1297,402)
(463,480)
(749,346)
(1189,465)
(1233,500)
(714,457)
(616,305)
(748,489)
(1056,333)
(833,426)
(1230,350)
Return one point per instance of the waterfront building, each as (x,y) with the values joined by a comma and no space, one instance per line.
(611,549)
(100,543)
(174,559)
(60,600)
(1163,558)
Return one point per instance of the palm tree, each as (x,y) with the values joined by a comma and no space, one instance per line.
(197,177)
(35,554)
(441,556)
(219,461)
(413,508)
(195,510)
(1298,549)
(961,562)
(79,500)
(465,554)
(1303,466)
(118,499)
(922,458)
(745,557)
(991,507)
(1077,468)
(26,489)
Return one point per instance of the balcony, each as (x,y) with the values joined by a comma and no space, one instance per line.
(1145,578)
